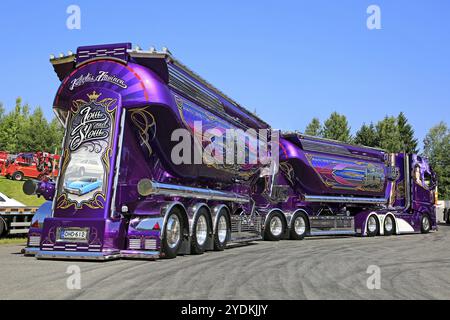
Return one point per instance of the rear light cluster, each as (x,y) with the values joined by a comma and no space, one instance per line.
(34,241)
(142,244)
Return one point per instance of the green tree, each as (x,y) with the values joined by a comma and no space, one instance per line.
(36,132)
(367,136)
(406,131)
(10,128)
(314,128)
(56,134)
(336,128)
(437,150)
(388,135)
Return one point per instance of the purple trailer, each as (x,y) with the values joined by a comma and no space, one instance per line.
(121,194)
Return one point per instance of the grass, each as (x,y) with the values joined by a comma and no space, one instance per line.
(13,241)
(13,189)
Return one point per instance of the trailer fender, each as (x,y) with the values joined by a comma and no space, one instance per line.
(382,217)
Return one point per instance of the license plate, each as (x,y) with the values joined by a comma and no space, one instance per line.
(74,234)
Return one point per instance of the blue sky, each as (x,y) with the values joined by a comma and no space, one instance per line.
(289,60)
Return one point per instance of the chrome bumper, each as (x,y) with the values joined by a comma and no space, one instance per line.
(30,251)
(73,255)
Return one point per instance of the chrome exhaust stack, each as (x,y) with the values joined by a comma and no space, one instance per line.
(147,187)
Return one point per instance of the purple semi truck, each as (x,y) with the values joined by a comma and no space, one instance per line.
(121,193)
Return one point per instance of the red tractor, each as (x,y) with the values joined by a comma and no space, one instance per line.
(39,165)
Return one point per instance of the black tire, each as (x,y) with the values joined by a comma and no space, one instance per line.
(169,250)
(425,224)
(294,232)
(372,232)
(219,243)
(387,231)
(198,245)
(447,213)
(2,227)
(273,221)
(18,176)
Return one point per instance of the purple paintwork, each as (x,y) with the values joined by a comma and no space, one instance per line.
(140,99)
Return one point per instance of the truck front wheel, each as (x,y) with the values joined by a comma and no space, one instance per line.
(425,224)
(274,227)
(173,234)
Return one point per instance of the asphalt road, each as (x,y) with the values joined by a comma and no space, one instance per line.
(411,267)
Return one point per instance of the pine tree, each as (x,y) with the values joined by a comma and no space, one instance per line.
(314,128)
(336,128)
(406,134)
(367,136)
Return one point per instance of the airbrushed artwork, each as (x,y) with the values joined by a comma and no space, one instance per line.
(87,149)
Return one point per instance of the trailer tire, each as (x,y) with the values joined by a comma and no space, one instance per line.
(373,226)
(299,226)
(389,228)
(425,224)
(2,227)
(18,176)
(223,222)
(200,231)
(173,234)
(275,227)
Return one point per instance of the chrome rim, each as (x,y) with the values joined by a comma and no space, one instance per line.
(426,223)
(201,230)
(222,229)
(173,231)
(372,224)
(276,226)
(300,225)
(388,224)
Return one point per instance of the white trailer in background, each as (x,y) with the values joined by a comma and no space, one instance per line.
(15,217)
(443,211)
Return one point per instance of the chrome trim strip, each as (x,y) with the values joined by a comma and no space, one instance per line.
(147,187)
(334,199)
(118,161)
(407,174)
(130,254)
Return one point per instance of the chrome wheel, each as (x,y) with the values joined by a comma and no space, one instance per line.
(300,225)
(388,224)
(276,226)
(426,223)
(201,230)
(173,231)
(372,224)
(222,229)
